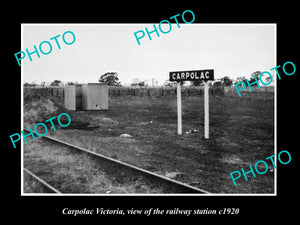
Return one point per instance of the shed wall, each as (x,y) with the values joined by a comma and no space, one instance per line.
(94,96)
(70,97)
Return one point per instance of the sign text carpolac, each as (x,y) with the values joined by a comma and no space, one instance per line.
(192,75)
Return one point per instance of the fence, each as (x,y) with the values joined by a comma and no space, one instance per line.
(45,91)
(154,92)
(263,91)
(160,91)
(129,91)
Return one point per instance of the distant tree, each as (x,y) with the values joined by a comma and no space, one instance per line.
(141,83)
(256,74)
(135,82)
(30,84)
(197,82)
(110,78)
(56,83)
(240,79)
(226,81)
(217,83)
(253,76)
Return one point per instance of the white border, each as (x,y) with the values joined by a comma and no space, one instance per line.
(22,118)
(104,24)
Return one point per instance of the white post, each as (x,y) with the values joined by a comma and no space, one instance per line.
(206,111)
(179,112)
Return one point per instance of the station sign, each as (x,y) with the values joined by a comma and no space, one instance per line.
(192,75)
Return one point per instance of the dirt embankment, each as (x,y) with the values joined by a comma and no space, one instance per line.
(38,108)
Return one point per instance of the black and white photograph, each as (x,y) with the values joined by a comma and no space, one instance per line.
(136,112)
(119,123)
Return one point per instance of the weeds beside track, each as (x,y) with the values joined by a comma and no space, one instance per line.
(113,175)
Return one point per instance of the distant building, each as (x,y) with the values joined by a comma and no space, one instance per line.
(168,83)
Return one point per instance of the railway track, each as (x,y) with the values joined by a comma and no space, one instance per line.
(167,184)
(47,187)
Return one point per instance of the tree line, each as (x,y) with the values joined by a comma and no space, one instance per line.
(112,79)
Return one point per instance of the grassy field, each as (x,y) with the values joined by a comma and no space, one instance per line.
(241,133)
(73,172)
(32,186)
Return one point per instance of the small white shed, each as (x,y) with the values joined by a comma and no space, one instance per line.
(94,96)
(73,97)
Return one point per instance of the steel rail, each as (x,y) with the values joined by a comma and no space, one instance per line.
(44,183)
(184,187)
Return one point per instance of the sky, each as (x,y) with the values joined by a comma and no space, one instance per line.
(232,50)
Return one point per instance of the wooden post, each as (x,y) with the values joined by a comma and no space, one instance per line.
(179,108)
(206,111)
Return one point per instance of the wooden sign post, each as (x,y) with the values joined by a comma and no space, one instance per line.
(179,109)
(206,111)
(204,75)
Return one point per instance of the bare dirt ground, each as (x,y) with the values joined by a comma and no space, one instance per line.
(241,133)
